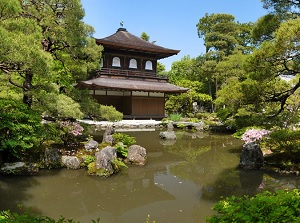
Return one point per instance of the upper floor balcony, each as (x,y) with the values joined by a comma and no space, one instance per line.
(128,73)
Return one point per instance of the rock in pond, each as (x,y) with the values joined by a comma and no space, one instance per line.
(104,159)
(107,136)
(251,156)
(137,155)
(167,135)
(71,162)
(19,168)
(51,159)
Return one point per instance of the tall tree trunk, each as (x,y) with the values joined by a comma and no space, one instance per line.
(27,87)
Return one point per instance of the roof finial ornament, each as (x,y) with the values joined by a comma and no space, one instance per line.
(122,24)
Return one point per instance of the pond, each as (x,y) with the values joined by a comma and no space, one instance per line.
(180,183)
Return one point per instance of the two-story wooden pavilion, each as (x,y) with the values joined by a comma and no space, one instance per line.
(128,80)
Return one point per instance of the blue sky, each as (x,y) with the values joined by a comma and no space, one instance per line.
(171,23)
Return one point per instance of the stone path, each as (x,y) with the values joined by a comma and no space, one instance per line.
(126,124)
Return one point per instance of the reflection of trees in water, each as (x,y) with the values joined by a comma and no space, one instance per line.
(14,192)
(212,163)
(239,182)
(227,184)
(205,157)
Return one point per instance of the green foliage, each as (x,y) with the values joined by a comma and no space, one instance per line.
(118,164)
(9,217)
(20,127)
(27,217)
(123,141)
(57,49)
(62,106)
(266,63)
(88,105)
(284,9)
(281,206)
(145,36)
(183,103)
(92,170)
(122,149)
(87,159)
(264,27)
(285,140)
(181,125)
(175,117)
(185,69)
(124,138)
(110,113)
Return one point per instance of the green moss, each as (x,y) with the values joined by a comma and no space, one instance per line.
(87,159)
(92,170)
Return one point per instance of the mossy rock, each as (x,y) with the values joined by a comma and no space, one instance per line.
(92,170)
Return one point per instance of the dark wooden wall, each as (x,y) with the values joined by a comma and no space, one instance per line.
(135,106)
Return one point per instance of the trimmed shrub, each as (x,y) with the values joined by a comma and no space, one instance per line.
(281,206)
(110,113)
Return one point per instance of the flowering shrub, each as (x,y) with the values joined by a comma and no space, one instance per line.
(71,127)
(254,135)
(70,130)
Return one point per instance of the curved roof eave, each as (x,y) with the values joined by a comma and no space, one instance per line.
(123,39)
(131,85)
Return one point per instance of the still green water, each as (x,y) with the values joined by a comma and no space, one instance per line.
(180,183)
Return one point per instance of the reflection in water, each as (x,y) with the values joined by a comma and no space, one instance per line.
(180,183)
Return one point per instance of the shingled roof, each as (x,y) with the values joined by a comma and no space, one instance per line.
(123,40)
(131,84)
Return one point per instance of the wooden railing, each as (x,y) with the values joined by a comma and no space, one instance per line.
(128,73)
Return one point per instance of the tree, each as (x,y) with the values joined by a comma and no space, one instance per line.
(182,69)
(45,42)
(265,27)
(219,33)
(183,103)
(274,59)
(222,36)
(285,9)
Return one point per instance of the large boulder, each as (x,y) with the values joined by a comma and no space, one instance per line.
(19,168)
(104,159)
(137,155)
(51,158)
(251,156)
(91,145)
(71,162)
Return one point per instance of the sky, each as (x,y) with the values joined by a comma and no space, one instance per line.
(171,23)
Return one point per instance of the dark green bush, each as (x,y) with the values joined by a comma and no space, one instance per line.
(20,127)
(110,113)
(285,140)
(281,206)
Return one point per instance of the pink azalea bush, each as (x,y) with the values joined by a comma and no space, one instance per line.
(70,130)
(71,127)
(254,135)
